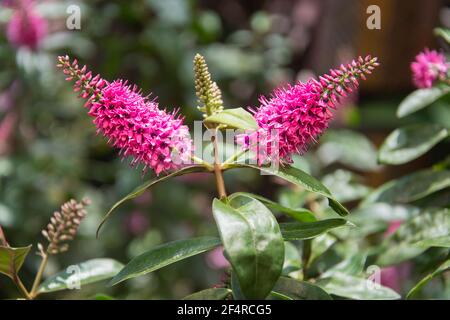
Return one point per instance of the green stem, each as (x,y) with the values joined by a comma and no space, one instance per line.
(38,278)
(203,162)
(220,183)
(22,288)
(233,158)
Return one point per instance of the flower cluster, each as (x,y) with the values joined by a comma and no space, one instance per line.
(132,123)
(429,67)
(208,93)
(26,27)
(63,226)
(295,116)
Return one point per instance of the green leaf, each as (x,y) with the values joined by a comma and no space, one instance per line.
(290,289)
(443,242)
(300,214)
(353,265)
(80,274)
(420,99)
(302,179)
(12,259)
(350,148)
(309,230)
(444,33)
(345,185)
(253,243)
(441,269)
(292,259)
(164,255)
(415,236)
(140,190)
(210,294)
(410,142)
(347,286)
(411,187)
(234,118)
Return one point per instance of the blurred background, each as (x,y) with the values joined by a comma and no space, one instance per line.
(49,151)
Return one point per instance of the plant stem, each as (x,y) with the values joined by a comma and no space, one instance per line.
(306,255)
(218,168)
(22,288)
(3,238)
(38,278)
(203,162)
(233,158)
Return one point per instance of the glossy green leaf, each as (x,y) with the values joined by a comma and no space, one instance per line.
(302,179)
(210,294)
(253,243)
(290,289)
(234,118)
(352,265)
(411,187)
(351,287)
(441,269)
(141,189)
(236,287)
(309,230)
(300,214)
(410,142)
(444,33)
(345,185)
(415,236)
(77,275)
(164,255)
(12,259)
(348,147)
(420,99)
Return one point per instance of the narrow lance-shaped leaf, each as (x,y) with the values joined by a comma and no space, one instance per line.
(75,276)
(291,289)
(302,179)
(164,255)
(139,190)
(352,287)
(253,244)
(420,99)
(300,214)
(441,269)
(411,187)
(408,143)
(309,230)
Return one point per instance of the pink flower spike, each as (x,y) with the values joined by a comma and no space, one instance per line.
(293,118)
(132,123)
(429,67)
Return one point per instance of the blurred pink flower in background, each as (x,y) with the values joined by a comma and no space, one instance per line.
(26,28)
(428,67)
(393,226)
(216,260)
(137,223)
(394,276)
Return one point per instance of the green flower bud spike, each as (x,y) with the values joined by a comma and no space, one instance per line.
(208,93)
